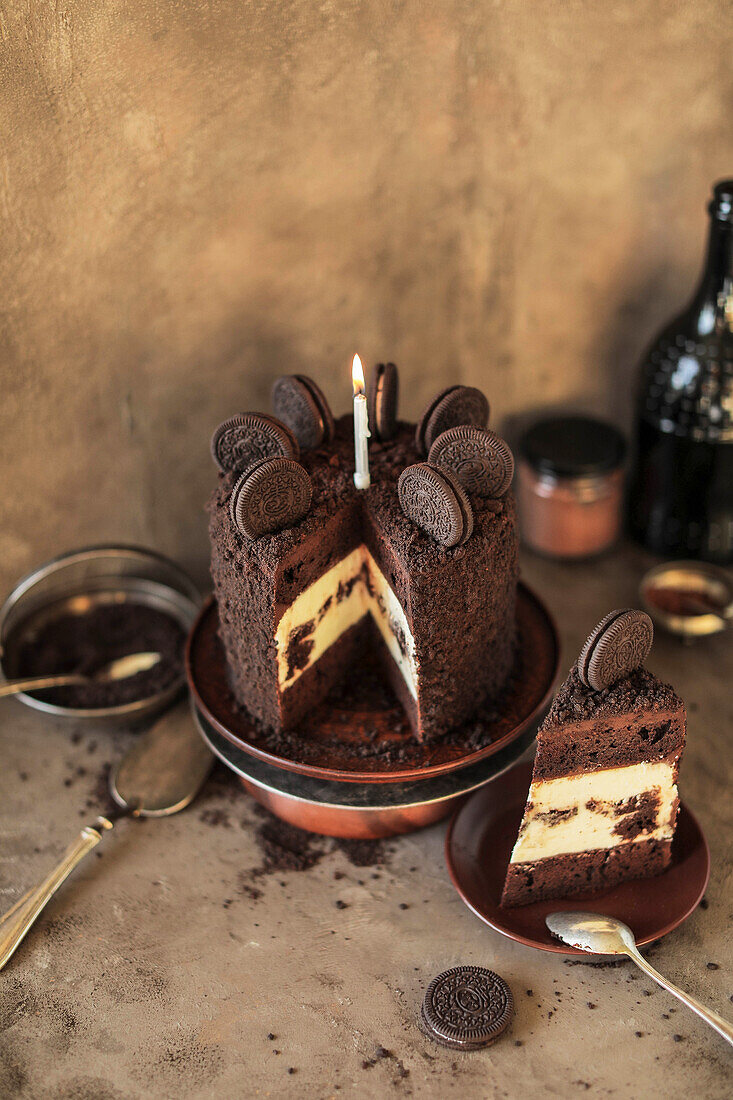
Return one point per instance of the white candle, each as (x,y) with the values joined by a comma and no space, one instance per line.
(361,427)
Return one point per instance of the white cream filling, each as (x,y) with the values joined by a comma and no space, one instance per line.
(330,622)
(592,795)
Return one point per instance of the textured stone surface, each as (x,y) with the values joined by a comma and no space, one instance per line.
(194,198)
(198,195)
(159,971)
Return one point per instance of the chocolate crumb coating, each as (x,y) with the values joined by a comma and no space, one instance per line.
(460,603)
(581,873)
(641,689)
(639,718)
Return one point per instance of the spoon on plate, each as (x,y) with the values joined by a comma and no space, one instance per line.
(120,669)
(160,775)
(600,935)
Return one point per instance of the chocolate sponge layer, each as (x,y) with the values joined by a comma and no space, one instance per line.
(641,718)
(584,872)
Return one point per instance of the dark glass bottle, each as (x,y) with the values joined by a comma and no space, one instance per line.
(681,492)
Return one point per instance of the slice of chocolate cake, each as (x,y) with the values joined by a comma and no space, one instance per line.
(299,606)
(602,806)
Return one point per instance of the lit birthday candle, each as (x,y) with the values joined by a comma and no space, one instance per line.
(361,426)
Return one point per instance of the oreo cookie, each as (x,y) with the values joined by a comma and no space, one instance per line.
(478,458)
(251,437)
(427,413)
(467,1008)
(302,406)
(270,496)
(618,645)
(436,503)
(452,406)
(382,396)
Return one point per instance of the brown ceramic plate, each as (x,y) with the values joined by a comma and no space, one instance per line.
(361,734)
(479,843)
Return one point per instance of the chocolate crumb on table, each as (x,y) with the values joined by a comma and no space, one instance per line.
(284,847)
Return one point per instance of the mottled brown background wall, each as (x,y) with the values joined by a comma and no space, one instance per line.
(198,196)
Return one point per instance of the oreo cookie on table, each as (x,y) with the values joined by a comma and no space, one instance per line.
(251,437)
(467,1008)
(480,459)
(301,404)
(271,495)
(382,396)
(618,645)
(451,407)
(436,503)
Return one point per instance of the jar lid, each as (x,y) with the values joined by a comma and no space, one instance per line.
(573,446)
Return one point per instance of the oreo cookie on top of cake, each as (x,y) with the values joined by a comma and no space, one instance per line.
(602,806)
(421,566)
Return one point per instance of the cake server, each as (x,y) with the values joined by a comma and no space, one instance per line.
(160,775)
(599,935)
(120,669)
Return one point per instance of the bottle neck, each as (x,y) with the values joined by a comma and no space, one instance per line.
(712,304)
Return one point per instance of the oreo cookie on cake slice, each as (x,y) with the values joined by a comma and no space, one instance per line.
(602,806)
(300,403)
(269,496)
(618,645)
(451,407)
(242,440)
(436,503)
(480,459)
(382,398)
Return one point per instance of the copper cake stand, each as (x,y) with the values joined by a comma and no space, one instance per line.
(362,736)
(361,811)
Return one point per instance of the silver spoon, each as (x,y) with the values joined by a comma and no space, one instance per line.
(160,775)
(120,669)
(599,935)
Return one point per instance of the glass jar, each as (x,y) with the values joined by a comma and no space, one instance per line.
(570,485)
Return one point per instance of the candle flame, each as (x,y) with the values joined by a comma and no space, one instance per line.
(357,375)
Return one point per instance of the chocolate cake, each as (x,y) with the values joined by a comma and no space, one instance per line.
(299,607)
(602,806)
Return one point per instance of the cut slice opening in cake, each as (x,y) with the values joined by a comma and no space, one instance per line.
(338,600)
